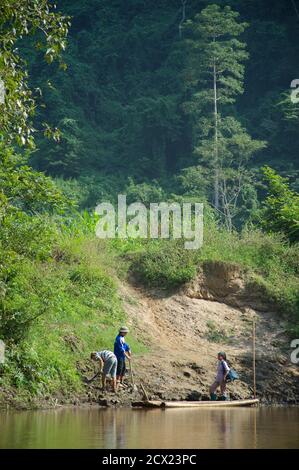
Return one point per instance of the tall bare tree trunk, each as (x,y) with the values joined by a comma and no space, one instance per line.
(183,17)
(216,153)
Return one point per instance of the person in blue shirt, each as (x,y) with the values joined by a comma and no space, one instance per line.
(122,352)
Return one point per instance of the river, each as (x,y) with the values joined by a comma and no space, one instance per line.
(96,428)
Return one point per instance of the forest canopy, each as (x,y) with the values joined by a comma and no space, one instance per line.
(164,100)
(132,99)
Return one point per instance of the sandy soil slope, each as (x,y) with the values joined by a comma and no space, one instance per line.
(185,330)
(184,335)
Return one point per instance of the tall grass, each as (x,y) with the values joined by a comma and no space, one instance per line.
(268,261)
(55,310)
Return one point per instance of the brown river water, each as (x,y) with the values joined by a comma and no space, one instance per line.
(93,428)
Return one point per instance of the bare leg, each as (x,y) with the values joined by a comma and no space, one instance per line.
(114,385)
(119,381)
(214,387)
(104,381)
(223,387)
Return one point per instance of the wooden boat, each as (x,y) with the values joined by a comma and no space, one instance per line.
(195,404)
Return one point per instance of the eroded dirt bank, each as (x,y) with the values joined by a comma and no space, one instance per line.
(185,330)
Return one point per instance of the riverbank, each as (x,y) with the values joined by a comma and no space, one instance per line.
(91,288)
(182,335)
(183,332)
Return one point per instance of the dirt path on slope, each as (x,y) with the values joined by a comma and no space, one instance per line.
(184,335)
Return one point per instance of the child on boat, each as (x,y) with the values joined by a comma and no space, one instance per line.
(220,379)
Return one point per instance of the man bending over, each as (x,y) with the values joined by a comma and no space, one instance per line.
(108,365)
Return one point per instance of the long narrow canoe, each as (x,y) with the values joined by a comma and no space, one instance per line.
(194,404)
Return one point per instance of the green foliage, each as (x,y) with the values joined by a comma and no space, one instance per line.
(129,75)
(216,335)
(214,44)
(26,237)
(26,296)
(144,192)
(68,150)
(88,191)
(125,98)
(133,114)
(24,189)
(56,301)
(30,236)
(18,20)
(193,181)
(281,207)
(235,149)
(164,264)
(269,263)
(214,77)
(54,313)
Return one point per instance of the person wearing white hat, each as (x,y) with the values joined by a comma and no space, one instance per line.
(122,351)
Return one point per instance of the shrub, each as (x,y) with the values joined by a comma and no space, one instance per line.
(164,264)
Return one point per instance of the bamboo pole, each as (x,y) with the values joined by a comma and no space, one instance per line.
(253,351)
(131,373)
(132,376)
(144,392)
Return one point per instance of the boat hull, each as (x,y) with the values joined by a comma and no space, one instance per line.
(196,404)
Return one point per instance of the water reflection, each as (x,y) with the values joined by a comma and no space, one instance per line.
(175,428)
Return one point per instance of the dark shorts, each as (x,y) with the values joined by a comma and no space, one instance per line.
(121,367)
